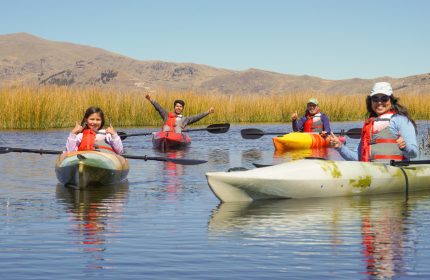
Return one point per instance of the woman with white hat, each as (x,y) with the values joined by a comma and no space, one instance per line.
(389,133)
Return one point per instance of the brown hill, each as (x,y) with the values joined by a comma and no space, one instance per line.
(30,60)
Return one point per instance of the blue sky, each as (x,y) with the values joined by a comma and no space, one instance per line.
(332,39)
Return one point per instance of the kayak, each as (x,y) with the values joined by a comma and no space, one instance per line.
(90,168)
(300,140)
(310,178)
(170,140)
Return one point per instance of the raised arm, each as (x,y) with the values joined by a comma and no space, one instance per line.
(163,113)
(195,118)
(298,124)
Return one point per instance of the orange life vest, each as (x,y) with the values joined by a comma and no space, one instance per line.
(88,142)
(312,125)
(170,122)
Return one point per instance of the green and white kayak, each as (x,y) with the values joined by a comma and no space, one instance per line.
(90,168)
(307,178)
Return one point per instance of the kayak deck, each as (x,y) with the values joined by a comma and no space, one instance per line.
(308,178)
(301,140)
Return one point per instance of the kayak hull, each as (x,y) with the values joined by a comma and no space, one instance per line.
(299,140)
(309,178)
(170,140)
(90,168)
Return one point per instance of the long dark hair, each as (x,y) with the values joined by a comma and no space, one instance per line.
(399,109)
(93,110)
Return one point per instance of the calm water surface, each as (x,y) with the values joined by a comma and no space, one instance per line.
(165,223)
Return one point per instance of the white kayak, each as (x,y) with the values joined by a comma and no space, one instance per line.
(308,178)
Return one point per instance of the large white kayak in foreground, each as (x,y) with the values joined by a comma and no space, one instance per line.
(308,178)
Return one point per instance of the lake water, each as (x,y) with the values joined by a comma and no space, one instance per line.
(165,223)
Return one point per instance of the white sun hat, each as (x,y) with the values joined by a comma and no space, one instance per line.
(382,88)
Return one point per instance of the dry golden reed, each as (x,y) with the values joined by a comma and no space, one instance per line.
(59,107)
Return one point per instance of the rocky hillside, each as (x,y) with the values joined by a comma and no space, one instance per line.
(30,60)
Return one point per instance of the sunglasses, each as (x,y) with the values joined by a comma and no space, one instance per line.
(382,99)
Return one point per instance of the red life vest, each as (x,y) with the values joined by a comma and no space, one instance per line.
(170,122)
(312,125)
(88,142)
(382,138)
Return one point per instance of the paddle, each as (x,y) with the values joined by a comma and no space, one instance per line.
(254,133)
(392,162)
(408,162)
(124,135)
(183,161)
(213,128)
(259,165)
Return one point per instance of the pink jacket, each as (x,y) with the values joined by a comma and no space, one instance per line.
(74,140)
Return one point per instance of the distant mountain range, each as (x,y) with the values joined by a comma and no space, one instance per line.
(30,60)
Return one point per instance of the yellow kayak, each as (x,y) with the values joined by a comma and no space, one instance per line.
(299,140)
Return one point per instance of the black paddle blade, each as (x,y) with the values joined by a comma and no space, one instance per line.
(5,150)
(251,133)
(181,161)
(218,128)
(258,165)
(124,135)
(354,133)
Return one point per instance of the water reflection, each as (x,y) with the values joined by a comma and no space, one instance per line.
(95,213)
(384,238)
(383,223)
(172,174)
(221,156)
(252,155)
(302,153)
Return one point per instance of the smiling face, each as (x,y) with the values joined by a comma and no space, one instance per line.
(381,104)
(178,108)
(94,121)
(312,108)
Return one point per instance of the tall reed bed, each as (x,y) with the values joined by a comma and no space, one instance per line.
(57,107)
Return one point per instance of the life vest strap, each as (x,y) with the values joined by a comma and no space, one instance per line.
(388,157)
(377,141)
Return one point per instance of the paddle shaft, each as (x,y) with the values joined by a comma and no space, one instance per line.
(408,162)
(254,133)
(213,128)
(174,160)
(5,150)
